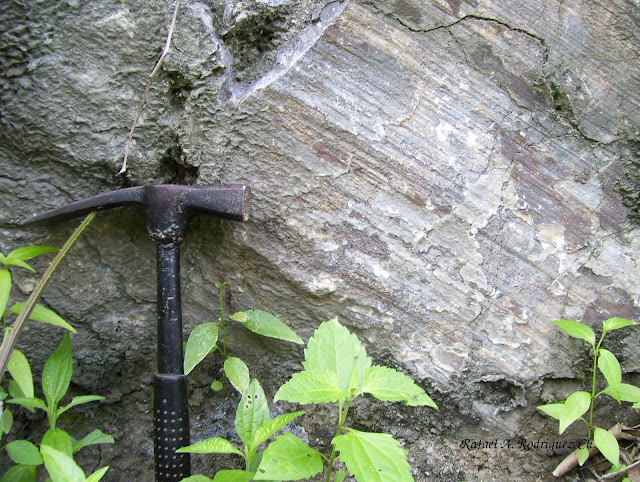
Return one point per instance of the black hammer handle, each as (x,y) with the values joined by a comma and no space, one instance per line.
(171,403)
(171,427)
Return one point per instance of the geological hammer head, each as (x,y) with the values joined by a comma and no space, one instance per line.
(168,207)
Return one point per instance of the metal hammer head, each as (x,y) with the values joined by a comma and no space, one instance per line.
(168,207)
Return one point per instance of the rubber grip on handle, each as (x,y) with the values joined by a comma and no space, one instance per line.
(171,427)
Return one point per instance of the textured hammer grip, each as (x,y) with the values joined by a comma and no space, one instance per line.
(171,427)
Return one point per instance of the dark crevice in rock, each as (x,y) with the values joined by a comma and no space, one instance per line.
(174,169)
(629,183)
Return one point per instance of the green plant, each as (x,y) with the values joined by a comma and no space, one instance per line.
(336,370)
(57,446)
(254,426)
(580,402)
(204,340)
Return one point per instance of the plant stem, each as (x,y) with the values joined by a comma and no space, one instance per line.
(342,416)
(223,321)
(593,383)
(16,327)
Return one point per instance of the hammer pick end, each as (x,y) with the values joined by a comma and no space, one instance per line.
(107,200)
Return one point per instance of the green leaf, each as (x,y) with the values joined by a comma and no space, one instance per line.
(29,403)
(56,375)
(574,407)
(5,289)
(288,458)
(271,426)
(616,323)
(60,466)
(583,455)
(609,366)
(390,385)
(98,474)
(253,411)
(237,373)
(265,324)
(217,386)
(80,400)
(624,392)
(311,386)
(335,349)
(374,457)
(214,445)
(607,445)
(555,410)
(577,330)
(20,473)
(24,452)
(20,370)
(340,475)
(197,478)
(28,252)
(44,315)
(569,411)
(202,341)
(6,420)
(94,438)
(240,317)
(232,476)
(59,440)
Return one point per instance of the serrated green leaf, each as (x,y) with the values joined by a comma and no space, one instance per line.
(44,315)
(20,473)
(29,403)
(607,445)
(609,366)
(80,400)
(59,440)
(390,385)
(288,458)
(271,426)
(253,411)
(98,474)
(60,466)
(616,323)
(56,375)
(20,370)
(577,330)
(28,252)
(94,438)
(214,445)
(5,289)
(233,476)
(237,373)
(265,324)
(583,455)
(311,386)
(24,452)
(333,348)
(374,457)
(201,341)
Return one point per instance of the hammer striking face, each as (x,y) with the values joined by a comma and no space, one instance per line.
(168,209)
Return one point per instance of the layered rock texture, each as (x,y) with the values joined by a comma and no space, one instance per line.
(447,177)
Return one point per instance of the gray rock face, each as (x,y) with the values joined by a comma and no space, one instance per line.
(446,177)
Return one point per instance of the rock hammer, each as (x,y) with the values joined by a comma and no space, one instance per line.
(168,208)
